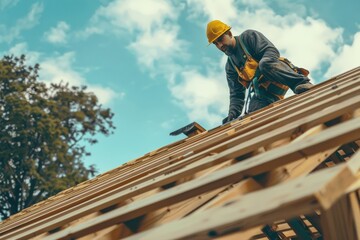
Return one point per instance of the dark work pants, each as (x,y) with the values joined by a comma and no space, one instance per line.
(275,70)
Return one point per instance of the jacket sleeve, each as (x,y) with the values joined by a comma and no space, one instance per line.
(258,45)
(237,91)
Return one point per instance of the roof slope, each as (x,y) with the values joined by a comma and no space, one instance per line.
(289,170)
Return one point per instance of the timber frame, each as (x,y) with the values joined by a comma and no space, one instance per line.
(288,171)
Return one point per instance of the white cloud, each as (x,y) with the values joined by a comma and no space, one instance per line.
(8,4)
(22,48)
(105,94)
(127,15)
(159,45)
(58,34)
(307,42)
(224,10)
(204,97)
(55,70)
(60,68)
(159,50)
(154,37)
(153,26)
(294,7)
(346,58)
(89,31)
(28,22)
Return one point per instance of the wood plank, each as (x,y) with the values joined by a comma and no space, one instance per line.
(244,235)
(320,89)
(180,209)
(253,166)
(230,153)
(106,184)
(235,190)
(283,201)
(355,206)
(355,165)
(109,233)
(349,74)
(341,221)
(337,222)
(175,211)
(292,170)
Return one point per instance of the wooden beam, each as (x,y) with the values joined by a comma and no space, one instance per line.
(343,132)
(355,165)
(113,186)
(338,221)
(284,201)
(233,152)
(109,233)
(238,189)
(183,208)
(355,211)
(247,234)
(345,83)
(346,212)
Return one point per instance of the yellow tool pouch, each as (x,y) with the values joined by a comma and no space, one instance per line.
(250,73)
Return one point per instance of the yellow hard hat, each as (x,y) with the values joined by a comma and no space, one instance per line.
(215,29)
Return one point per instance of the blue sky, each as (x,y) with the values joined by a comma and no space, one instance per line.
(148,60)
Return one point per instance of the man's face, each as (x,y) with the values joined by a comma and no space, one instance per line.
(224,43)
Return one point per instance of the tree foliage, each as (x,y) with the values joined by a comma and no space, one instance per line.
(43,133)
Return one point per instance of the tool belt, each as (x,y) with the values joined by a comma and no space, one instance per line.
(250,76)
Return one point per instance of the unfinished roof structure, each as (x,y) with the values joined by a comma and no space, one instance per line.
(288,171)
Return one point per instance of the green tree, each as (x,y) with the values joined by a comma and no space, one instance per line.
(43,133)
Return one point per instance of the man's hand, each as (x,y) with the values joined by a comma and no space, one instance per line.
(230,117)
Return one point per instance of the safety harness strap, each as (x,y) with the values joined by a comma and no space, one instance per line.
(261,87)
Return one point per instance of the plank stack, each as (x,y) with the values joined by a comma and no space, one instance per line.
(288,171)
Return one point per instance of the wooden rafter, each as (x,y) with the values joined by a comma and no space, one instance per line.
(243,179)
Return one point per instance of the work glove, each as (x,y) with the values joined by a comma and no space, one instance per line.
(232,115)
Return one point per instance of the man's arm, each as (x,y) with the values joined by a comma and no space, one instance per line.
(258,45)
(237,93)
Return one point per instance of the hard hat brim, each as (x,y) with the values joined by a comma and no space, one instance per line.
(219,36)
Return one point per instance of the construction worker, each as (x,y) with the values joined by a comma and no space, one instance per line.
(254,63)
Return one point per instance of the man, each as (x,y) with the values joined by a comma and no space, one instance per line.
(254,63)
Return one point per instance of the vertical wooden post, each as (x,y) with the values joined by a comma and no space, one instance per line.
(341,221)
